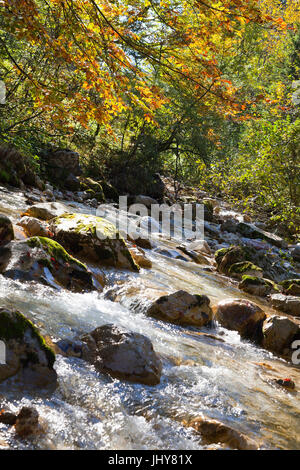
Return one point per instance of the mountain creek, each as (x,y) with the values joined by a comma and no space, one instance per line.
(208,371)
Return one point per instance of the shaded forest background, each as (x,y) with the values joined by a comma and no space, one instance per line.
(204,92)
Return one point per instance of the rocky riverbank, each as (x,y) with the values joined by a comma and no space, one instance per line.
(53,243)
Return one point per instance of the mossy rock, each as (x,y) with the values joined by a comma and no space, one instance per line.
(54,250)
(226,257)
(43,260)
(291,286)
(26,353)
(237,270)
(93,238)
(257,286)
(219,254)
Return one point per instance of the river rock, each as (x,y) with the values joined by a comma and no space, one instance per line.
(46,210)
(49,196)
(195,256)
(28,358)
(199,246)
(279,333)
(144,243)
(123,354)
(286,303)
(244,268)
(257,286)
(270,263)
(182,308)
(43,260)
(6,230)
(92,238)
(229,225)
(226,257)
(215,432)
(34,227)
(139,257)
(241,315)
(27,422)
(251,231)
(291,286)
(72,183)
(172,253)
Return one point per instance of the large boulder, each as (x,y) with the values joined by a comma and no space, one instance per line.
(28,358)
(122,354)
(6,230)
(61,162)
(226,257)
(46,210)
(182,308)
(279,333)
(44,260)
(215,432)
(251,231)
(92,238)
(243,316)
(286,303)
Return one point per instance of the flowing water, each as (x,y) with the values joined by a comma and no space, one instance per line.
(219,378)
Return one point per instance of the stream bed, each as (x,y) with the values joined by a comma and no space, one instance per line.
(221,379)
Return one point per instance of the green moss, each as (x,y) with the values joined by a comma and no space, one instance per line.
(255,281)
(13,325)
(252,280)
(272,284)
(54,249)
(242,267)
(219,254)
(289,282)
